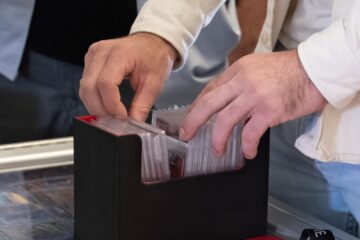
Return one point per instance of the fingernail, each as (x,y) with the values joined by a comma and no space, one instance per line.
(182,134)
(217,153)
(249,156)
(139,116)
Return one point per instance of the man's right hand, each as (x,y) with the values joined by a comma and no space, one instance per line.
(144,58)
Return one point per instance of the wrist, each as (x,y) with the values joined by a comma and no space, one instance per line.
(161,44)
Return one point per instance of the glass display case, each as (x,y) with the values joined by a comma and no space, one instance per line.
(36,196)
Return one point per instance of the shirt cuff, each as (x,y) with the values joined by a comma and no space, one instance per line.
(178,22)
(332,61)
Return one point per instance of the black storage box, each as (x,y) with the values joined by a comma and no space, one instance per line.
(112,203)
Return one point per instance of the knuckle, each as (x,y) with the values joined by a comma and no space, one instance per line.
(93,47)
(102,83)
(206,101)
(84,87)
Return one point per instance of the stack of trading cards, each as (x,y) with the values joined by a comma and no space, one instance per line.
(200,158)
(166,157)
(155,160)
(169,120)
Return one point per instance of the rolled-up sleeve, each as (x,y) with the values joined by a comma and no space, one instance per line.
(331,59)
(177,21)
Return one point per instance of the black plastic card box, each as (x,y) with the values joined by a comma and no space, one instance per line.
(112,203)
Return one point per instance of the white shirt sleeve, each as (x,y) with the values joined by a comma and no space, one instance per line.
(331,58)
(177,21)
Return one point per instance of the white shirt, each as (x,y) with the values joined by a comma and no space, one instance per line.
(207,58)
(309,16)
(330,57)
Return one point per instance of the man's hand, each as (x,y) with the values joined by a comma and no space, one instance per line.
(144,58)
(264,89)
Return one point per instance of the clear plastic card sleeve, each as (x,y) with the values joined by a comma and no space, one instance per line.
(164,156)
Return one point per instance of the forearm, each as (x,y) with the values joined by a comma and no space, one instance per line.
(251,17)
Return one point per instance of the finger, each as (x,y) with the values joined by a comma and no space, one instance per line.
(220,80)
(208,87)
(96,107)
(251,134)
(89,56)
(207,105)
(145,96)
(225,121)
(110,78)
(88,91)
(95,60)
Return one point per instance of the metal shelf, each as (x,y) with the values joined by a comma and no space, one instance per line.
(36,154)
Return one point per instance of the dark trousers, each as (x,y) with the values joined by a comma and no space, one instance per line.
(41,102)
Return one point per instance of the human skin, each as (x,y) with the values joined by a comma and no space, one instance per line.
(263,89)
(146,60)
(143,58)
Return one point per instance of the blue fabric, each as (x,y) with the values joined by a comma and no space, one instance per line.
(15,17)
(343,180)
(41,102)
(328,191)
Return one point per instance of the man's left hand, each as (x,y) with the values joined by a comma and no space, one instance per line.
(263,89)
